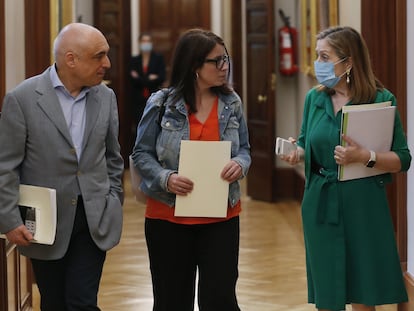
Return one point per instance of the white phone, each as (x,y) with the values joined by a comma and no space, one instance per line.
(284,146)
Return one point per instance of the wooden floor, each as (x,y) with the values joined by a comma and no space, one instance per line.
(272,262)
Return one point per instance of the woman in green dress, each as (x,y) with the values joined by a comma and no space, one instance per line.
(351,253)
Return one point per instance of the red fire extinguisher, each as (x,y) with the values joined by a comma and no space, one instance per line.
(287,48)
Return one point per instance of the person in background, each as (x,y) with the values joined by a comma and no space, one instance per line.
(351,253)
(60,130)
(147,74)
(200,105)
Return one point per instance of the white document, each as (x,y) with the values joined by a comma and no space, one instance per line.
(203,162)
(43,200)
(371,126)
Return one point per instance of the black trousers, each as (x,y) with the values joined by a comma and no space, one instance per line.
(72,282)
(176,251)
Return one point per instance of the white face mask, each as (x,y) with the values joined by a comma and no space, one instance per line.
(146,47)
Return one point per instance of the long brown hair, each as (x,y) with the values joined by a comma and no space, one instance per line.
(347,42)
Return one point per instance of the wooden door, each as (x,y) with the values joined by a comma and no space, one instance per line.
(389,61)
(15,279)
(166,20)
(113,18)
(260,97)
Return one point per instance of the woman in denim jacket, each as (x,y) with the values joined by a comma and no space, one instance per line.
(199,105)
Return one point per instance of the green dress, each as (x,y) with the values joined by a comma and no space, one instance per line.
(351,253)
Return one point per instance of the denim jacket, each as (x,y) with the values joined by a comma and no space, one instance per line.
(157,146)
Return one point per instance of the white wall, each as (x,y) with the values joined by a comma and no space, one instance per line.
(288,100)
(134,26)
(15,46)
(410,136)
(350,13)
(216,14)
(83,11)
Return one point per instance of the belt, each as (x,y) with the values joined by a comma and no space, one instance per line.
(328,202)
(316,169)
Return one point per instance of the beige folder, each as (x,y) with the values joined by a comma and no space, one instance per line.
(203,162)
(371,126)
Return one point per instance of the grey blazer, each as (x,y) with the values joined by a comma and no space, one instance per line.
(36,149)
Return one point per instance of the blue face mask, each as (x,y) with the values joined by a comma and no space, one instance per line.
(325,73)
(146,47)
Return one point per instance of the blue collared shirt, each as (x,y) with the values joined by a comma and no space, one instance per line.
(73,109)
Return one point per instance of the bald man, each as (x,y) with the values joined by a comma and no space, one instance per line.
(60,130)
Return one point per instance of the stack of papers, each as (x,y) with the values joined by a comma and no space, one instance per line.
(371,126)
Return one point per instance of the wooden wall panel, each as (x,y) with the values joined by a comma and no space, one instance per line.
(236,49)
(37,36)
(386,40)
(166,20)
(15,270)
(15,279)
(384,29)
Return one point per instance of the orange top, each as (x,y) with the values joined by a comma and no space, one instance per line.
(198,131)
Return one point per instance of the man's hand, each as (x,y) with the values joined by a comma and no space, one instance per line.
(20,236)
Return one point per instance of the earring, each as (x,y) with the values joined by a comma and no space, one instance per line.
(348,73)
(196,75)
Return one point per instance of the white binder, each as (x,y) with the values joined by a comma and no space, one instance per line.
(43,200)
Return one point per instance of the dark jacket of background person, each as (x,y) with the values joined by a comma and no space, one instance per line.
(156,66)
